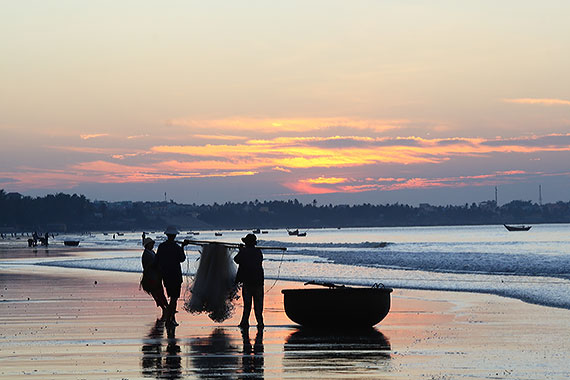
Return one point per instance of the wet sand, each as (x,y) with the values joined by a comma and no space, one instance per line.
(58,323)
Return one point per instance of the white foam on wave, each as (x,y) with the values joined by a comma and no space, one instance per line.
(546,291)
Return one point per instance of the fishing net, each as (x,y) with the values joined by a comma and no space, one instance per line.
(213,288)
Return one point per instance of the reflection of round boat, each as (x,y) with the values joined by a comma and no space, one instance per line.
(365,351)
(308,339)
(338,307)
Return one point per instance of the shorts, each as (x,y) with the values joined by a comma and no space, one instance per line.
(173,289)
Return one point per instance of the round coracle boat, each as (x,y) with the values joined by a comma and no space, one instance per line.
(341,307)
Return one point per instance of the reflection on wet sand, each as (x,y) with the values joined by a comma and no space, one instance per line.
(217,355)
(252,358)
(158,363)
(214,356)
(311,350)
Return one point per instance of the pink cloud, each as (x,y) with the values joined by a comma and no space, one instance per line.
(310,186)
(540,101)
(92,136)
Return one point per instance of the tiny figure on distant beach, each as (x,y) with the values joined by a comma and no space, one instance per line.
(169,255)
(143,237)
(151,281)
(250,274)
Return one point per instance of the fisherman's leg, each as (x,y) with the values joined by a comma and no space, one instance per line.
(247,298)
(173,291)
(258,305)
(161,301)
(171,310)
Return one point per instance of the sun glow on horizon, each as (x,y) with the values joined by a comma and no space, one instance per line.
(287,155)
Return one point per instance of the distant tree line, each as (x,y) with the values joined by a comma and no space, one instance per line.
(64,212)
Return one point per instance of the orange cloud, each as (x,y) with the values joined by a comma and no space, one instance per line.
(541,101)
(137,136)
(348,151)
(219,137)
(271,125)
(92,136)
(287,156)
(327,180)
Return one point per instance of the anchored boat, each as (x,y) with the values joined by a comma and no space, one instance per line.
(338,306)
(517,228)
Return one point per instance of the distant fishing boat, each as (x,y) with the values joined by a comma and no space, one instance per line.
(517,228)
(264,232)
(293,232)
(302,234)
(256,231)
(218,233)
(71,243)
(337,306)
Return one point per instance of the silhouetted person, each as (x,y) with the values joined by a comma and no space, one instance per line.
(250,274)
(169,255)
(151,281)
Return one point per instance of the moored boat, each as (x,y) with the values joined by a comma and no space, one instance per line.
(71,243)
(338,306)
(517,228)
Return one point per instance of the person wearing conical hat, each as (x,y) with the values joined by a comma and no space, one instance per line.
(169,255)
(250,275)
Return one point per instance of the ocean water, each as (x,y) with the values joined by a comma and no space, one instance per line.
(533,266)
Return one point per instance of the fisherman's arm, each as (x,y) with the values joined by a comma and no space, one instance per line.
(182,255)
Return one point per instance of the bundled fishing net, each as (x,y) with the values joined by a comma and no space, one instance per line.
(214,288)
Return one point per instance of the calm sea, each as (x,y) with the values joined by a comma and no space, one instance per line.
(533,266)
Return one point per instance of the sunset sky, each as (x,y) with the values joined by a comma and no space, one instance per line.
(338,101)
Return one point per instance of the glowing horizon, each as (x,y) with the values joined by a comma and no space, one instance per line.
(373,101)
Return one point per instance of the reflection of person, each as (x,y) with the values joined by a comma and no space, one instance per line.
(252,359)
(250,274)
(151,361)
(151,281)
(216,356)
(159,362)
(169,255)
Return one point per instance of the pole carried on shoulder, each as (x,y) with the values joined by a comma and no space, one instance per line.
(229,245)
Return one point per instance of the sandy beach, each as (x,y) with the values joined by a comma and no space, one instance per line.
(83,324)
